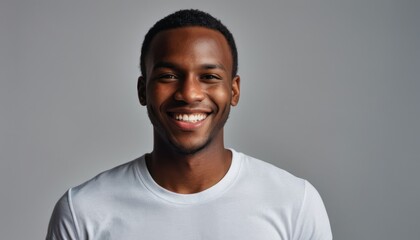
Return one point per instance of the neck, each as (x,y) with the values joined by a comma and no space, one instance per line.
(189,173)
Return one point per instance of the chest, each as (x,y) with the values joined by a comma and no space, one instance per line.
(226,220)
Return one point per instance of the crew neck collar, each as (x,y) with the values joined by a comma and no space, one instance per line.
(195,198)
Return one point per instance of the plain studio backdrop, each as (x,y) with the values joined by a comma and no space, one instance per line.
(330,93)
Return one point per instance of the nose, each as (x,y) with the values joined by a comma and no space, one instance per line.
(189,90)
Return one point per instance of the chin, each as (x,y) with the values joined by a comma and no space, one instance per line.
(190,149)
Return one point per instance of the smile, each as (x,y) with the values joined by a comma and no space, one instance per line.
(191,117)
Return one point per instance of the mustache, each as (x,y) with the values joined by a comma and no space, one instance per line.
(184,105)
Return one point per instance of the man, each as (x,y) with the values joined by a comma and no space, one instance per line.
(190,186)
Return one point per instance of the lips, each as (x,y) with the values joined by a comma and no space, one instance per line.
(189,117)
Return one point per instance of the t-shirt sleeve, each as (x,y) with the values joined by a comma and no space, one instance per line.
(62,224)
(312,222)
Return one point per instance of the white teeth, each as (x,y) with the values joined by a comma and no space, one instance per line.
(195,117)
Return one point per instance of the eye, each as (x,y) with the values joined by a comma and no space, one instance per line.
(167,77)
(210,77)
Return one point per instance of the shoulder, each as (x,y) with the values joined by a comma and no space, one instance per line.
(105,189)
(291,196)
(62,225)
(83,206)
(108,181)
(270,176)
(312,221)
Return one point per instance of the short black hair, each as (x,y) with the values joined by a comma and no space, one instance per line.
(189,18)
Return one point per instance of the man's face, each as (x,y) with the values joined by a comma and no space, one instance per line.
(188,87)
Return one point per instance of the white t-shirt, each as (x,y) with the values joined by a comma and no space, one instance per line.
(255,200)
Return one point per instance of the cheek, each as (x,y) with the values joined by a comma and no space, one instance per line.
(157,94)
(221,95)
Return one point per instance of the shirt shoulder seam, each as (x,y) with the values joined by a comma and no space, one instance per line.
(300,210)
(73,214)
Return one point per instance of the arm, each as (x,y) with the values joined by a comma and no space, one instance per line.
(312,222)
(62,224)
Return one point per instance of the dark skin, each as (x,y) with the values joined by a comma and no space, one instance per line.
(188,89)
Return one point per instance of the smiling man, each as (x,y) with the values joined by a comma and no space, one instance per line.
(190,186)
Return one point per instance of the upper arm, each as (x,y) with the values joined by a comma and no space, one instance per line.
(312,222)
(62,225)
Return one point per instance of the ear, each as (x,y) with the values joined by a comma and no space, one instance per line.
(235,90)
(141,90)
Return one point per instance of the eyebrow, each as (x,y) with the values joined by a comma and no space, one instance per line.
(165,65)
(206,66)
(213,66)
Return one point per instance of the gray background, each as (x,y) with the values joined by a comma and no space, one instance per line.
(329,93)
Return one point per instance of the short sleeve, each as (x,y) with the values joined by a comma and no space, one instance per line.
(312,222)
(62,225)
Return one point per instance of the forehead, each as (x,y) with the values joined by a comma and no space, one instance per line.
(189,45)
